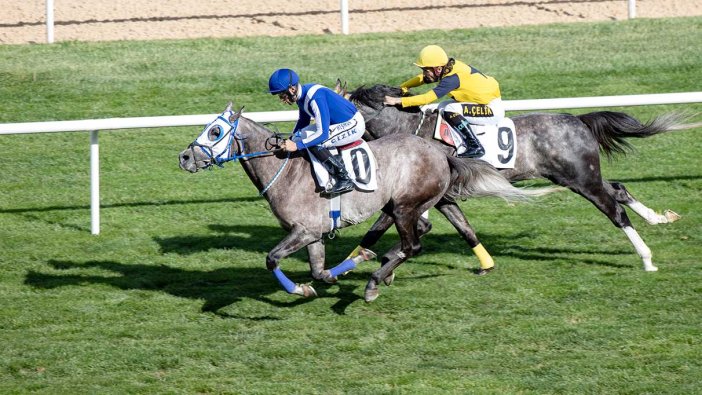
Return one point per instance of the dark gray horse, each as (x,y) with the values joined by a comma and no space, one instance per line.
(562,148)
(412,177)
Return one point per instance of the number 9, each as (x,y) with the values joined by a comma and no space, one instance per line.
(505,140)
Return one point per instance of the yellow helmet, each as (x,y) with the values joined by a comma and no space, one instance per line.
(432,56)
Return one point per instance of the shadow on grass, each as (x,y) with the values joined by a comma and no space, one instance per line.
(508,246)
(257,239)
(261,239)
(218,288)
(254,238)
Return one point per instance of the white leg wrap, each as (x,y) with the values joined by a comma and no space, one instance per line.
(641,248)
(649,215)
(425,214)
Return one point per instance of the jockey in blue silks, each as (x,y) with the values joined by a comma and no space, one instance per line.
(337,123)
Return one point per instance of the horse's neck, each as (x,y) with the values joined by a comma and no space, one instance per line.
(262,170)
(413,123)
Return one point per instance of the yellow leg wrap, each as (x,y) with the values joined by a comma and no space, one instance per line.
(486,261)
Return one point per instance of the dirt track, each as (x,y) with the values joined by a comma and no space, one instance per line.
(105,20)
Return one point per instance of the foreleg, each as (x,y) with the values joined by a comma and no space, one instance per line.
(316,257)
(297,238)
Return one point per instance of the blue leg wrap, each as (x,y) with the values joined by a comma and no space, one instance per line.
(342,268)
(283,280)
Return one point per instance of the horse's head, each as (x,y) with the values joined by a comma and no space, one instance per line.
(214,145)
(374,96)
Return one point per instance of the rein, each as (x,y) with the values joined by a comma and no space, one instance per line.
(421,122)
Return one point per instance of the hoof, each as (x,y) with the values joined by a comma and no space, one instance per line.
(671,216)
(371,293)
(389,279)
(305,290)
(328,278)
(364,255)
(651,269)
(483,272)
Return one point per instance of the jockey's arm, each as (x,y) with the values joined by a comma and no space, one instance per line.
(445,86)
(302,121)
(320,110)
(412,82)
(419,100)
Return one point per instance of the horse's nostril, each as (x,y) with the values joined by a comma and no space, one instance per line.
(185,157)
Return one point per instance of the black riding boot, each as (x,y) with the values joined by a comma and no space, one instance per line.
(336,169)
(473,147)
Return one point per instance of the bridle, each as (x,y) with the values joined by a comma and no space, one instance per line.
(272,145)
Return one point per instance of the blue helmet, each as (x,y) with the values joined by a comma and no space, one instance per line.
(281,80)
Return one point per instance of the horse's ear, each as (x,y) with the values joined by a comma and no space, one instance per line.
(337,87)
(236,115)
(341,89)
(229,107)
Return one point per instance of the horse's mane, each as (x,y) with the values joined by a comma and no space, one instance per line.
(375,95)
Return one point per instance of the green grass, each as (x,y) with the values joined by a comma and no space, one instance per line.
(173,295)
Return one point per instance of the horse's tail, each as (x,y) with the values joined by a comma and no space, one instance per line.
(611,128)
(477,178)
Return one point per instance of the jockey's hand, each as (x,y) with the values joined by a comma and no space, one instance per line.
(289,146)
(392,101)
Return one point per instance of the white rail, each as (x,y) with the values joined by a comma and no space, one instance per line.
(94,125)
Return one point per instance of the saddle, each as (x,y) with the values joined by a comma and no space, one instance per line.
(359,161)
(499,141)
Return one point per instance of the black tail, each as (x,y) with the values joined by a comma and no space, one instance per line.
(611,128)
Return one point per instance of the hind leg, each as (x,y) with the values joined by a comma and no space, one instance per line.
(453,213)
(363,253)
(599,196)
(406,225)
(423,227)
(620,193)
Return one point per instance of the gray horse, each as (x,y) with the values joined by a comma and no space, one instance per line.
(562,148)
(412,177)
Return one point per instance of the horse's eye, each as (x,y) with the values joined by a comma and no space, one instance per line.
(214,133)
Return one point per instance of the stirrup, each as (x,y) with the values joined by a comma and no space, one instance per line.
(339,188)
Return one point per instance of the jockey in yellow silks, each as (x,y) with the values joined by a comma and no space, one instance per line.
(476,100)
(476,96)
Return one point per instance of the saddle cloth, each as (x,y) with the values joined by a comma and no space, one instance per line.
(359,162)
(499,141)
